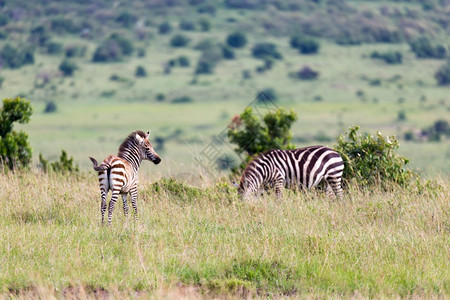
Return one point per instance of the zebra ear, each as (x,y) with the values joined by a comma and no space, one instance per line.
(148,134)
(139,138)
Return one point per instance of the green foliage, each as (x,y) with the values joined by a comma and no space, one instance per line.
(435,132)
(63,165)
(15,151)
(182,99)
(176,190)
(113,49)
(372,160)
(267,95)
(424,48)
(442,75)
(179,40)
(165,28)
(237,39)
(265,50)
(140,72)
(187,25)
(390,57)
(304,44)
(67,67)
(50,107)
(252,135)
(306,73)
(54,48)
(16,57)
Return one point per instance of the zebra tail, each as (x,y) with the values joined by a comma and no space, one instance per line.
(97,167)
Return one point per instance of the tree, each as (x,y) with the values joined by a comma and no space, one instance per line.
(265,50)
(424,48)
(15,151)
(253,135)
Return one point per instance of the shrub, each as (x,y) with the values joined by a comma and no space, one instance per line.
(187,25)
(63,25)
(183,99)
(64,165)
(205,24)
(67,67)
(179,40)
(16,57)
(140,72)
(205,67)
(390,57)
(2,79)
(305,45)
(113,49)
(15,151)
(266,95)
(253,135)
(75,51)
(165,28)
(423,48)
(126,19)
(442,75)
(50,107)
(372,160)
(183,61)
(227,52)
(54,48)
(264,50)
(237,39)
(306,73)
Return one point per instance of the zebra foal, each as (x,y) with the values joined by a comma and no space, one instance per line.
(302,168)
(120,173)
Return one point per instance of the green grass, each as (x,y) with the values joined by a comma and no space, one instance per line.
(205,241)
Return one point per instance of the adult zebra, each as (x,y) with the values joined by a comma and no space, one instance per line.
(303,168)
(120,173)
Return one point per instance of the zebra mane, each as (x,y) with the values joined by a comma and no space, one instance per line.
(130,140)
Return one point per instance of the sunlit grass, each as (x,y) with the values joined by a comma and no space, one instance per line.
(374,244)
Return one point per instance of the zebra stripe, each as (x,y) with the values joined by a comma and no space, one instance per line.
(120,173)
(303,168)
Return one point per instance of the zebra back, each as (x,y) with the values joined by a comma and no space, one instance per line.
(303,167)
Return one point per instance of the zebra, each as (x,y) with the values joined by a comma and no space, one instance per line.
(120,173)
(303,167)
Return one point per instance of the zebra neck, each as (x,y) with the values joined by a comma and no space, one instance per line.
(132,156)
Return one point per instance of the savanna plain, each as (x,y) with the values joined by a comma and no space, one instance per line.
(195,238)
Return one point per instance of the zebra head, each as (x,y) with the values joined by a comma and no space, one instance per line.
(147,151)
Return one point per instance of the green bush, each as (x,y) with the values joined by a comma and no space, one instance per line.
(165,28)
(64,165)
(179,40)
(442,75)
(237,39)
(267,95)
(424,48)
(390,57)
(252,134)
(67,67)
(16,57)
(187,25)
(264,50)
(15,151)
(140,72)
(113,49)
(305,45)
(372,160)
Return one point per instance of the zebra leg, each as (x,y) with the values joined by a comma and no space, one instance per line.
(103,206)
(125,204)
(133,193)
(335,184)
(112,203)
(279,185)
(328,190)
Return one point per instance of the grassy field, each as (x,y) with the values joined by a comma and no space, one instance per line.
(88,123)
(206,242)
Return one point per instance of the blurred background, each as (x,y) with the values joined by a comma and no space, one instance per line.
(95,71)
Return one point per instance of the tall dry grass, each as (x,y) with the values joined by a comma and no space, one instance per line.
(205,242)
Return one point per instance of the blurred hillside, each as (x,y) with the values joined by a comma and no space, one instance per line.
(97,70)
